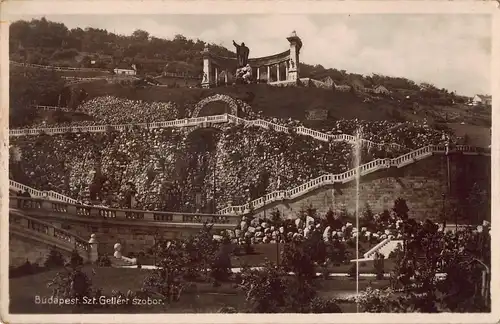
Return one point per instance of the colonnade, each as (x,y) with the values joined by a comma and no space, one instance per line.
(277,68)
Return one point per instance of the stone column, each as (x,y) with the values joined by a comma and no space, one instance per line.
(295,46)
(268,74)
(225,76)
(216,76)
(93,254)
(278,72)
(207,69)
(258,73)
(286,70)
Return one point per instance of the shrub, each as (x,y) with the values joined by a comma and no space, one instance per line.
(322,305)
(54,259)
(378,265)
(103,261)
(249,249)
(75,259)
(221,266)
(71,283)
(296,258)
(25,269)
(352,271)
(228,310)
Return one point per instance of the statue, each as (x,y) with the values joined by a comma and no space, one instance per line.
(244,74)
(242,54)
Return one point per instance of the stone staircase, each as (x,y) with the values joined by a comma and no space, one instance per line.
(293,193)
(385,247)
(350,175)
(201,122)
(44,194)
(50,235)
(329,179)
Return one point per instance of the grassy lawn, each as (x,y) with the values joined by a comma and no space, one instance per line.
(478,135)
(198,298)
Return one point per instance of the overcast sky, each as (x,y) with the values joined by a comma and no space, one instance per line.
(449,50)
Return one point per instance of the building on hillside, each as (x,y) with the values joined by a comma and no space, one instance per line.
(481,99)
(380,89)
(328,81)
(125,69)
(357,85)
(342,87)
(317,114)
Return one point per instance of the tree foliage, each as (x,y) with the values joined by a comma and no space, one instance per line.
(29,87)
(40,41)
(437,271)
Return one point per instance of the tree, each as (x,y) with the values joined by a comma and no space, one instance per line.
(28,87)
(401,209)
(428,252)
(54,259)
(271,290)
(368,216)
(295,257)
(478,201)
(179,261)
(276,217)
(140,35)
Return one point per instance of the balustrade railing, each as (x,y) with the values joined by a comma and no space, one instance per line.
(349,175)
(34,193)
(289,194)
(48,230)
(58,68)
(188,122)
(51,108)
(37,205)
(103,212)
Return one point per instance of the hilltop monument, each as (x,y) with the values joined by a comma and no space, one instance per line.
(280,69)
(242,53)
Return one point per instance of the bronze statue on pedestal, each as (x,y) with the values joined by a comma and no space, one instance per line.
(242,53)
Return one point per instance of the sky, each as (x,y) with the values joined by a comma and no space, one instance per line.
(451,51)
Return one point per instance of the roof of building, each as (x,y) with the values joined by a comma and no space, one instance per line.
(124,66)
(484,97)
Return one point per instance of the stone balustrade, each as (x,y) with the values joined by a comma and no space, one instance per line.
(66,209)
(70,207)
(58,68)
(198,121)
(277,195)
(51,108)
(350,175)
(66,239)
(16,186)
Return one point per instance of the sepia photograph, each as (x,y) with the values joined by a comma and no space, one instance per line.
(231,162)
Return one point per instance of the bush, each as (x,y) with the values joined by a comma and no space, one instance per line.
(221,266)
(228,310)
(321,305)
(352,271)
(75,260)
(54,259)
(25,269)
(378,265)
(249,249)
(103,261)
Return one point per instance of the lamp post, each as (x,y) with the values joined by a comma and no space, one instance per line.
(443,211)
(215,183)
